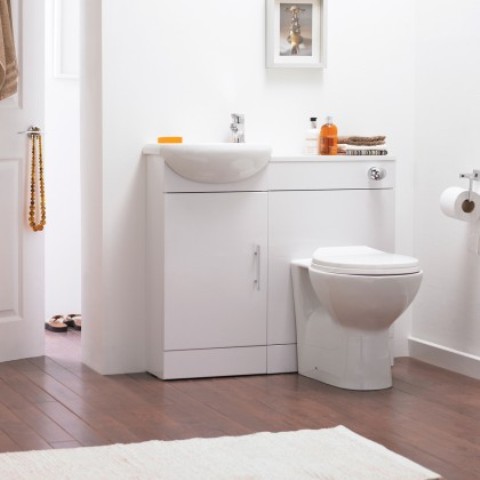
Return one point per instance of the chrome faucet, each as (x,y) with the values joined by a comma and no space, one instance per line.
(238,128)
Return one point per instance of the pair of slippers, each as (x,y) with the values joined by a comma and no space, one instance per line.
(59,323)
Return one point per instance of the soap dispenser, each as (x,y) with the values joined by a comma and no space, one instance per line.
(328,138)
(311,138)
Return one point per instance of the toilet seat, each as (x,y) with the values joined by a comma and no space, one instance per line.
(362,260)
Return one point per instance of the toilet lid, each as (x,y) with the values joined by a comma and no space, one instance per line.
(362,260)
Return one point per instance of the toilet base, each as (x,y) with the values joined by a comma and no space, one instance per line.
(332,353)
(354,362)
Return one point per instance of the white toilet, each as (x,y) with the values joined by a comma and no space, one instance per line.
(346,298)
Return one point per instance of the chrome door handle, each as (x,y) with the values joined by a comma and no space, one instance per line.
(257,258)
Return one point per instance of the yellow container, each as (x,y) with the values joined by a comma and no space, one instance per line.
(169,139)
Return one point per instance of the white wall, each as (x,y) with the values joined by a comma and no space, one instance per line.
(181,67)
(62,162)
(447,310)
(95,327)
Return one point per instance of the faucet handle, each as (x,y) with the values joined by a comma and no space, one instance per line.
(238,118)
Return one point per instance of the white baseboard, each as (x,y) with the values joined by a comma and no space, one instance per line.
(445,357)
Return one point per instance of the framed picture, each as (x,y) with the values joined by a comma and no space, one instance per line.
(296,34)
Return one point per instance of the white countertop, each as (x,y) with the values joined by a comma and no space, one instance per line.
(155,149)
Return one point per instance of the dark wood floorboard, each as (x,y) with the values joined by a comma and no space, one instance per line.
(431,416)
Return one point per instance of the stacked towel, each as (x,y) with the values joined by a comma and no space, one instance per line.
(354,145)
(8,60)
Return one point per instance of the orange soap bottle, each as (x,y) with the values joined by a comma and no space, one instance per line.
(328,138)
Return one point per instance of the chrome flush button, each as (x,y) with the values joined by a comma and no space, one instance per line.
(376,173)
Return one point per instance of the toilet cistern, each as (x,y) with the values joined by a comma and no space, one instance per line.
(238,128)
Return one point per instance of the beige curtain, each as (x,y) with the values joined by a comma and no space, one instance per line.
(8,59)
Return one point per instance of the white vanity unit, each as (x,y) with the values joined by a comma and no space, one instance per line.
(220,296)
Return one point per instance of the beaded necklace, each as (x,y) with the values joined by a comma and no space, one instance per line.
(36,139)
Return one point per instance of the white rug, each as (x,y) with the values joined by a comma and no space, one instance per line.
(329,454)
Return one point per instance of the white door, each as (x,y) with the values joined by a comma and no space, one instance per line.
(215,270)
(21,250)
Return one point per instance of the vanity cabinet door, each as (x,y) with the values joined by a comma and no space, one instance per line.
(215,270)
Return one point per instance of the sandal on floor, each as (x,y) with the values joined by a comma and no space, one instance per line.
(74,320)
(56,324)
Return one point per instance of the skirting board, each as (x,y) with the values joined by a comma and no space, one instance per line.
(445,357)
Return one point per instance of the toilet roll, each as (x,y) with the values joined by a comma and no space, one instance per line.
(454,203)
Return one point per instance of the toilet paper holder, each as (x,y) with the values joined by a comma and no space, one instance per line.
(472,177)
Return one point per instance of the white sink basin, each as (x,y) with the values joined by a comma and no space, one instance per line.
(216,162)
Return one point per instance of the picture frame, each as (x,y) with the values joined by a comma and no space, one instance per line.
(296,33)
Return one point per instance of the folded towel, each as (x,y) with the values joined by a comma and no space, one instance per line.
(8,59)
(362,150)
(367,141)
(360,147)
(366,152)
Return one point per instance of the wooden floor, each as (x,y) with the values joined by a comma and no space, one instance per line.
(431,416)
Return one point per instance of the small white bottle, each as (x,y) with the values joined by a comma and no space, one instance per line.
(311,138)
